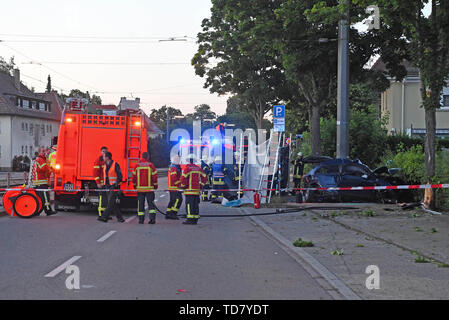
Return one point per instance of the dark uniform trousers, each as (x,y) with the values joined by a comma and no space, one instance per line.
(175,202)
(149,196)
(193,207)
(111,205)
(44,196)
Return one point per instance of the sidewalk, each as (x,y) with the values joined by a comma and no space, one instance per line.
(375,234)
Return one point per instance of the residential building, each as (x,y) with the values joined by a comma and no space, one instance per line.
(402,103)
(28,120)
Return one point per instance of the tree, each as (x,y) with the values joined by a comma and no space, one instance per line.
(202,111)
(425,42)
(95,100)
(159,116)
(242,64)
(7,67)
(48,84)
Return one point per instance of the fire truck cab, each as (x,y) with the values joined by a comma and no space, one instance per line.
(81,136)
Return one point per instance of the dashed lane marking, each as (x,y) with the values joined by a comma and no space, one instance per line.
(62,267)
(106,236)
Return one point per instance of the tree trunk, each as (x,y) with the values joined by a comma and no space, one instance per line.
(429,196)
(315,132)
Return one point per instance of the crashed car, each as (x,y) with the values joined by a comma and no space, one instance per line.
(344,173)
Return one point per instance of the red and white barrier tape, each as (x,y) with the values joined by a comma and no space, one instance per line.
(401,187)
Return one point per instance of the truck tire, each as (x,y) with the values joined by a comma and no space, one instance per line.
(26,206)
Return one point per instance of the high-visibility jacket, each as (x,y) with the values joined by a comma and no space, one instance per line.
(207,170)
(145,176)
(52,160)
(174,177)
(98,170)
(40,171)
(297,170)
(112,175)
(193,179)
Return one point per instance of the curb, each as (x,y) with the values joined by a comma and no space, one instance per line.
(308,262)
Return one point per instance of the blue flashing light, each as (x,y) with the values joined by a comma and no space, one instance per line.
(215,142)
(182,141)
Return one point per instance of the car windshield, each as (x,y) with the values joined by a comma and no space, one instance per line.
(330,169)
(355,170)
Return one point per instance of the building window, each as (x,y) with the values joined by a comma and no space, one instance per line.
(43,130)
(26,149)
(51,128)
(446,101)
(31,129)
(42,106)
(26,103)
(23,126)
(26,126)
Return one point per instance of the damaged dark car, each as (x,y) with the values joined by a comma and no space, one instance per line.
(345,173)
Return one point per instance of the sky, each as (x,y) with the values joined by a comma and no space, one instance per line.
(47,37)
(117,42)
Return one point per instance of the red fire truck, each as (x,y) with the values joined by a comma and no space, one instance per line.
(81,135)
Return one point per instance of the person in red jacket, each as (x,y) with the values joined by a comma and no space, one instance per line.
(98,174)
(40,178)
(174,180)
(145,182)
(192,180)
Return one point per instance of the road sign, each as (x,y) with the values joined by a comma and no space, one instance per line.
(279,118)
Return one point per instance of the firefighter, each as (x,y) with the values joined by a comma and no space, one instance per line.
(192,180)
(208,171)
(298,170)
(230,181)
(112,179)
(174,181)
(51,161)
(98,174)
(40,178)
(145,182)
(217,180)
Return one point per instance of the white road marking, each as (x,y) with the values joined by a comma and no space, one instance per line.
(106,236)
(130,219)
(62,267)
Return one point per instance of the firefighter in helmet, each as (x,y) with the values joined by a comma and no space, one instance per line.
(145,182)
(40,178)
(174,181)
(208,171)
(192,180)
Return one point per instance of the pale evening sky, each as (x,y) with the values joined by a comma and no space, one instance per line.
(117,44)
(111,31)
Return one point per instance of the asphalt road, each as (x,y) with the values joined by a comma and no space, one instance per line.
(221,258)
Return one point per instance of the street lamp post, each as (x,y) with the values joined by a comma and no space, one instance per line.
(343,87)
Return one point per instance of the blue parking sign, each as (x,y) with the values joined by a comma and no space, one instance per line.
(279,111)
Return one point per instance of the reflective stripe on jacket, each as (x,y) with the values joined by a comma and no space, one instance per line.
(174,177)
(193,179)
(111,174)
(145,176)
(98,170)
(40,171)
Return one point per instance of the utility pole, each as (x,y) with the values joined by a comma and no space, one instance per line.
(343,87)
(168,124)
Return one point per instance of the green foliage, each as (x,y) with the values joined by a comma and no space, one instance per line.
(7,67)
(303,244)
(159,116)
(420,259)
(411,162)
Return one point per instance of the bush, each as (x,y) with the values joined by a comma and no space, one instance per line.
(367,137)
